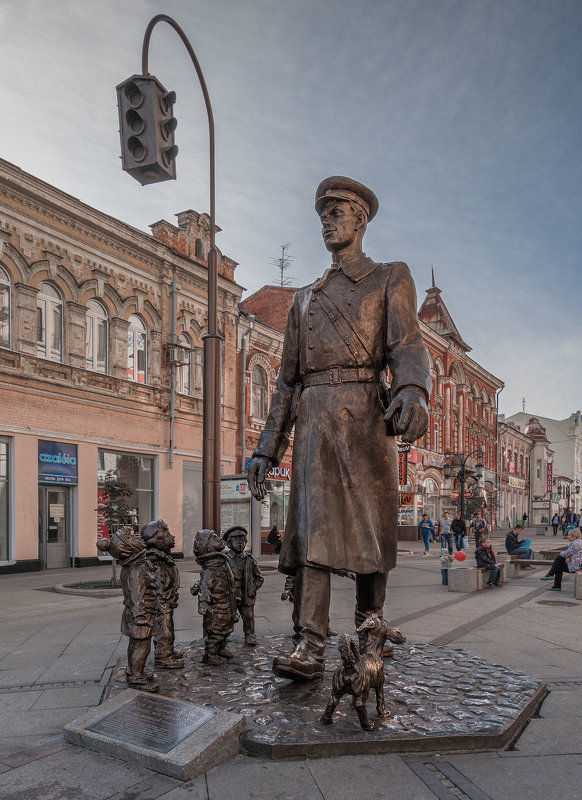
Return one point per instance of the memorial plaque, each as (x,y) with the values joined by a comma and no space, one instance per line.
(153,722)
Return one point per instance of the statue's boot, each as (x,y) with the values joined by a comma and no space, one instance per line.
(142,683)
(173,661)
(305,663)
(224,652)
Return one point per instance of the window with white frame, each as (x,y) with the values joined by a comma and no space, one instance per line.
(258,392)
(96,343)
(197,363)
(436,446)
(184,370)
(5,308)
(137,347)
(49,323)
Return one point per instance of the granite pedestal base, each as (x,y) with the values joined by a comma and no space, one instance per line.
(163,734)
(440,699)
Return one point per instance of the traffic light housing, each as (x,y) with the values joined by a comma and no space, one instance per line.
(146,128)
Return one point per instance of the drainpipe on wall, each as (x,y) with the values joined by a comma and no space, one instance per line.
(243,401)
(498,457)
(172,378)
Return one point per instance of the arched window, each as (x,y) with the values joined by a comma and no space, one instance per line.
(199,249)
(49,323)
(137,348)
(259,392)
(96,344)
(184,370)
(5,308)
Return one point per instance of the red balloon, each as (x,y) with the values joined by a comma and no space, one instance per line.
(460,555)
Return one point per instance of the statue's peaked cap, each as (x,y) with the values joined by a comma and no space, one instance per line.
(337,187)
(234,531)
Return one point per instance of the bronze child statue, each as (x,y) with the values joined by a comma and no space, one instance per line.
(139,584)
(362,670)
(247,579)
(159,542)
(216,596)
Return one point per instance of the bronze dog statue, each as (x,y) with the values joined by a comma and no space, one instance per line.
(362,670)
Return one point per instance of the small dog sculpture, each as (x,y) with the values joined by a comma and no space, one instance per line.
(362,670)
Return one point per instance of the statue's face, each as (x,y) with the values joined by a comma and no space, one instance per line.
(338,225)
(237,543)
(163,540)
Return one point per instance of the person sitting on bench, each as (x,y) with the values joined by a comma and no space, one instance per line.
(485,558)
(569,560)
(515,547)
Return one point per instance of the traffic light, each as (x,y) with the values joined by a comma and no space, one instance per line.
(146,128)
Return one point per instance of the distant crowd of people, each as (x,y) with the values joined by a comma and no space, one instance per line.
(566,522)
(447,530)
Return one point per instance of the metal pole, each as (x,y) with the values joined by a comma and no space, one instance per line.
(172,379)
(462,479)
(212,340)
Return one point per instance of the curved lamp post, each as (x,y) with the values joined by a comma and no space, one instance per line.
(212,340)
(460,460)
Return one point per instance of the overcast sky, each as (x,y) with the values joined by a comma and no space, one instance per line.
(464,116)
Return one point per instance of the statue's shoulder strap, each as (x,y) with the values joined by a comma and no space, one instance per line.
(344,326)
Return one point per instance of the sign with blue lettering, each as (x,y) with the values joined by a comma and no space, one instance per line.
(57,462)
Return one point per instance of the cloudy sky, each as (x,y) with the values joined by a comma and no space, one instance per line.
(464,116)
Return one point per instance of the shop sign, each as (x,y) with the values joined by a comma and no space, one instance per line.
(555,497)
(57,462)
(549,477)
(234,490)
(540,503)
(406,499)
(402,468)
(280,474)
(517,483)
(276,473)
(435,461)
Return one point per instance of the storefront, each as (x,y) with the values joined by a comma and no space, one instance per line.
(237,506)
(137,471)
(58,477)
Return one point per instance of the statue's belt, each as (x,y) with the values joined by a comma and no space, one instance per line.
(335,376)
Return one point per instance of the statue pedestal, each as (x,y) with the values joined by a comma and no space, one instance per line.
(440,698)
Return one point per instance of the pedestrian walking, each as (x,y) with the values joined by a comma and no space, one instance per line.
(459,530)
(569,560)
(445,532)
(479,527)
(555,523)
(426,530)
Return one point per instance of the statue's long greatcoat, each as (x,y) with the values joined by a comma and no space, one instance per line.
(343,505)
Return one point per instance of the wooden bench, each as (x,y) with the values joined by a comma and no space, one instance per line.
(516,562)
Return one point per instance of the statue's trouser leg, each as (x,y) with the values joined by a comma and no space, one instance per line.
(164,639)
(248,619)
(370,595)
(311,606)
(137,653)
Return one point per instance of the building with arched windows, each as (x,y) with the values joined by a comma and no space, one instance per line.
(88,357)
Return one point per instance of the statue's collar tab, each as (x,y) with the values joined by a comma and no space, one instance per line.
(355,268)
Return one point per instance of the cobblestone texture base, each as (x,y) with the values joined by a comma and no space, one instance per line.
(440,698)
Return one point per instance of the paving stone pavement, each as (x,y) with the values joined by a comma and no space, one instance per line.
(57,653)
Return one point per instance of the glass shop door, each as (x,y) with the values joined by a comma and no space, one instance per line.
(54,527)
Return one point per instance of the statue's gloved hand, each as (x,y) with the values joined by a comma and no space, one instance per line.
(257,472)
(410,413)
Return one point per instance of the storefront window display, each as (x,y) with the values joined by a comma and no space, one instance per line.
(4,484)
(138,472)
(275,504)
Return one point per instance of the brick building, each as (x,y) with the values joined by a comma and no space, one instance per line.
(86,310)
(463,404)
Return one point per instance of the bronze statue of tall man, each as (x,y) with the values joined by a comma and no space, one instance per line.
(343,333)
